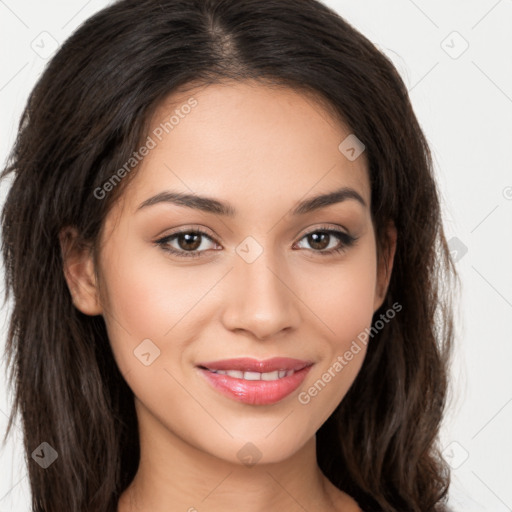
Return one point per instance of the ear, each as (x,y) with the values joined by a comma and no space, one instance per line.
(385,265)
(78,267)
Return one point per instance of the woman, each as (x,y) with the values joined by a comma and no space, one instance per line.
(224,245)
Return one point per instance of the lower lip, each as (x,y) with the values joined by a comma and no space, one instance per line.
(256,392)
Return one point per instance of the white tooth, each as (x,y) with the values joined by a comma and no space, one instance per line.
(267,376)
(270,375)
(252,375)
(235,374)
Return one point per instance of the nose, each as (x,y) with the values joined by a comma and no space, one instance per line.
(261,299)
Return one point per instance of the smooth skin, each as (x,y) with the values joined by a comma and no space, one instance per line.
(262,150)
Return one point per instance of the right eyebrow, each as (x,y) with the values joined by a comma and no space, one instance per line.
(206,204)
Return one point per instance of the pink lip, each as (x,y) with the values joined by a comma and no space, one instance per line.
(256,392)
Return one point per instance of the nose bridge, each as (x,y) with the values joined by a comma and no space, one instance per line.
(260,300)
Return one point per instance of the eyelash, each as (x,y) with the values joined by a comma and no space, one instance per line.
(345,239)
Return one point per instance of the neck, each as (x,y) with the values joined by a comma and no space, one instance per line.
(175,476)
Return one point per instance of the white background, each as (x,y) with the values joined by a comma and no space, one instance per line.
(463,100)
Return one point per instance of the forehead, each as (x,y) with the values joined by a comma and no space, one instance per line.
(247,140)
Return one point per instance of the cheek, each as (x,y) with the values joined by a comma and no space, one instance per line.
(343,295)
(345,308)
(142,301)
(148,293)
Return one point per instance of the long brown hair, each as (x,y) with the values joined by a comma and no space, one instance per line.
(84,119)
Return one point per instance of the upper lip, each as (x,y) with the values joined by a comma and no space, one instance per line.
(246,364)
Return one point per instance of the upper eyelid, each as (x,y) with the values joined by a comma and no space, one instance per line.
(200,231)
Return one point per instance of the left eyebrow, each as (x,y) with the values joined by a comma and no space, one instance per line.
(323,200)
(210,205)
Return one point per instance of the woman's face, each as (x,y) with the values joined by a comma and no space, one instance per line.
(272,275)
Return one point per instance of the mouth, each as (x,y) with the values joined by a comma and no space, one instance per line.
(256,382)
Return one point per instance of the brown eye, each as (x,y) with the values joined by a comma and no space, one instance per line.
(191,243)
(328,241)
(319,240)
